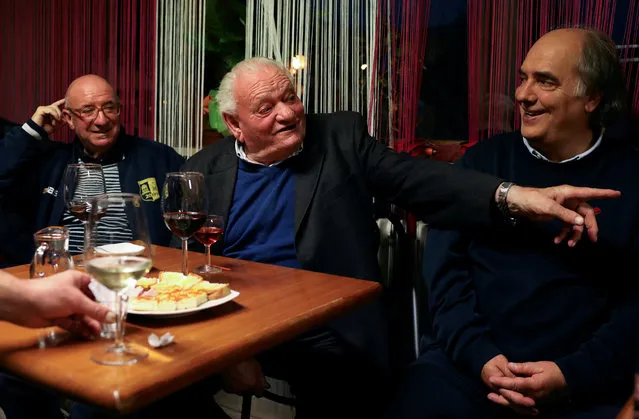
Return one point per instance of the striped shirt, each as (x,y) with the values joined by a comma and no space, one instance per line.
(115,219)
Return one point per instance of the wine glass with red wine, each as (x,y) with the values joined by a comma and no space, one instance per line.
(183,205)
(208,235)
(82,181)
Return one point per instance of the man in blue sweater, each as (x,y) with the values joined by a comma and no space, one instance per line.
(521,326)
(297,190)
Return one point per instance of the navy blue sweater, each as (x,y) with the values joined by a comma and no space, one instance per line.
(261,219)
(32,174)
(514,292)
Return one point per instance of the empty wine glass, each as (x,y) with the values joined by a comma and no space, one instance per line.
(208,235)
(117,264)
(183,207)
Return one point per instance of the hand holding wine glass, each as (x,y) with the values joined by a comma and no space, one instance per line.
(208,235)
(183,206)
(117,264)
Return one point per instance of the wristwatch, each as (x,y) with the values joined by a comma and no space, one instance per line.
(502,202)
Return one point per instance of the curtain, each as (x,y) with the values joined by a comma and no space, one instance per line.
(360,55)
(327,45)
(48,43)
(407,31)
(629,52)
(180,74)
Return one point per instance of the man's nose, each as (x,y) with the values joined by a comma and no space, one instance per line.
(100,118)
(285,113)
(524,93)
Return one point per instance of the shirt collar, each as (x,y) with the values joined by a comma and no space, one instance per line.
(580,156)
(241,154)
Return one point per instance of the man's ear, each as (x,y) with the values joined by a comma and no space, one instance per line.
(233,124)
(66,117)
(592,103)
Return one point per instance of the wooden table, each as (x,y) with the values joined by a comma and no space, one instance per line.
(275,304)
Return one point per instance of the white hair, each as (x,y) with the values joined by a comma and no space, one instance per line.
(225,97)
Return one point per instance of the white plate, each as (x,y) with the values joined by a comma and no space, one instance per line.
(179,313)
(120,249)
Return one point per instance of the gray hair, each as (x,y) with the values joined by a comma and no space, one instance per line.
(225,97)
(600,73)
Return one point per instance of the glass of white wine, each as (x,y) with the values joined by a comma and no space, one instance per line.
(117,257)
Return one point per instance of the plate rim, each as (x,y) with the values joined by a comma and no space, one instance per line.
(135,249)
(179,313)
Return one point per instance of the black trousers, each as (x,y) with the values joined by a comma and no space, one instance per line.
(329,377)
(432,387)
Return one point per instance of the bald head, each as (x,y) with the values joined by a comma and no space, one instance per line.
(561,47)
(85,85)
(574,36)
(92,110)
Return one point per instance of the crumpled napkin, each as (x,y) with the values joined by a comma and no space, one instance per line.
(102,294)
(158,342)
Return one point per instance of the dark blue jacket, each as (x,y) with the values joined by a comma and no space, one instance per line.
(31,176)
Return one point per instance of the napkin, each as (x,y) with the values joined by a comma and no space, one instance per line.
(158,342)
(102,294)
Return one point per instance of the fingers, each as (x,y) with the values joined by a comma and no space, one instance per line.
(577,232)
(517,398)
(503,401)
(48,116)
(84,305)
(564,214)
(499,399)
(590,220)
(518,384)
(565,230)
(524,368)
(571,192)
(80,279)
(79,325)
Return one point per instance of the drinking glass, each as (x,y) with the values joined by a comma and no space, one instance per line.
(183,206)
(208,235)
(117,264)
(82,181)
(51,256)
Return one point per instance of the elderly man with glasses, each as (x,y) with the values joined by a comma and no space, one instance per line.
(31,196)
(32,167)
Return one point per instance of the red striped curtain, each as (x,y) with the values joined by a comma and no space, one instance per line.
(402,27)
(629,53)
(500,33)
(46,44)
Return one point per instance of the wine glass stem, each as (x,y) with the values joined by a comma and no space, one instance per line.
(119,315)
(185,255)
(208,255)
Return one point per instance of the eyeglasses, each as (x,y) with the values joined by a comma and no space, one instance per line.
(90,113)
